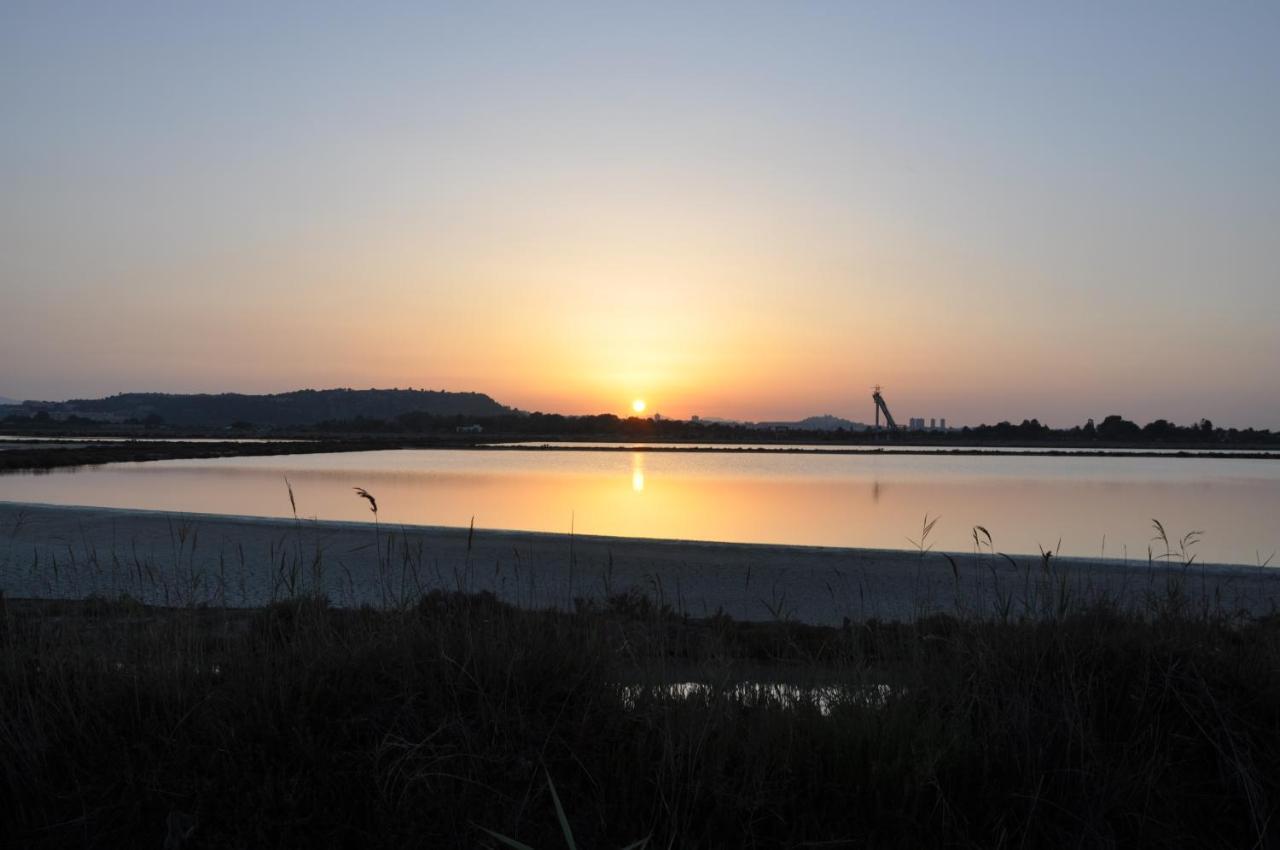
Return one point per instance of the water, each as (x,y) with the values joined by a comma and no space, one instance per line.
(1093,505)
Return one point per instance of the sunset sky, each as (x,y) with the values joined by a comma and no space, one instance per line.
(728,209)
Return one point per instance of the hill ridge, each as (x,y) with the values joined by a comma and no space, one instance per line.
(296,407)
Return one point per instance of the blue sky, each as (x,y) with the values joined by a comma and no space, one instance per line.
(751,210)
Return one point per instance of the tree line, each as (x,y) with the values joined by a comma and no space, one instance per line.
(1113,430)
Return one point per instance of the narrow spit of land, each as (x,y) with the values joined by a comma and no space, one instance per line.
(177,559)
(922,450)
(38,455)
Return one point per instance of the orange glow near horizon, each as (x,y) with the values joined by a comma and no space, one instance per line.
(571,211)
(684,294)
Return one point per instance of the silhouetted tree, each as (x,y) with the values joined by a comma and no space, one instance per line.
(1116,427)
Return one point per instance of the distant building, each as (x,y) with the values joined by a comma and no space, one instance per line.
(933,424)
(469,429)
(916,423)
(942,423)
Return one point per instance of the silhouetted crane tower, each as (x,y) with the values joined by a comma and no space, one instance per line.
(881,406)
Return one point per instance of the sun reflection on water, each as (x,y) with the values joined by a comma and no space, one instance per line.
(875,502)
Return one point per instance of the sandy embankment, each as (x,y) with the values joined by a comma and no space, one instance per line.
(51,552)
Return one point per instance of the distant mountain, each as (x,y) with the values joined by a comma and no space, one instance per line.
(5,401)
(304,407)
(826,422)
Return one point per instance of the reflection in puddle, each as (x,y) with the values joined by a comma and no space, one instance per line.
(821,697)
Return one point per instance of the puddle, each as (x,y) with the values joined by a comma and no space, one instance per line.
(822,697)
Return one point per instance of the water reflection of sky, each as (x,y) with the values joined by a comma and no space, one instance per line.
(1095,505)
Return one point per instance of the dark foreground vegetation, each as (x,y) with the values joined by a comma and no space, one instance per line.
(460,717)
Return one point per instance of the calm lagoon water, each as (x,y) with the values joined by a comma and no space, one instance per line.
(1093,505)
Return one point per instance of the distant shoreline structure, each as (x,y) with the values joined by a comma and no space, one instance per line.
(411,413)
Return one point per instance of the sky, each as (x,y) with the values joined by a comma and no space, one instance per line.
(754,211)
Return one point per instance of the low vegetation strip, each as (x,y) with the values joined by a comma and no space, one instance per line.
(52,456)
(457,718)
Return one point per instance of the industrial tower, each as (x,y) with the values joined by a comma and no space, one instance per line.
(881,406)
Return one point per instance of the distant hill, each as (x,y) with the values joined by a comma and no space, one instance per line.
(303,407)
(826,422)
(5,401)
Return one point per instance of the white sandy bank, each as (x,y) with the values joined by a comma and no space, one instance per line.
(50,551)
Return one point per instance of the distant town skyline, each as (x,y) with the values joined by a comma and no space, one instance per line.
(753,211)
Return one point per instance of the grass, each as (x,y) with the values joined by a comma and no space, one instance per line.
(1047,718)
(460,718)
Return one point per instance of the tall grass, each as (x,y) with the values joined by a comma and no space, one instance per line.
(437,725)
(1047,718)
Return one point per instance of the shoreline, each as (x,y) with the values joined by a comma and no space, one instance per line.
(922,450)
(49,551)
(38,455)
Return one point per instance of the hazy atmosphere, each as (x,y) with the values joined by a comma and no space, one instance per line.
(739,210)
(639,425)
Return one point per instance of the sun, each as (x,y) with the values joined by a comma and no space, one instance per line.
(638,405)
